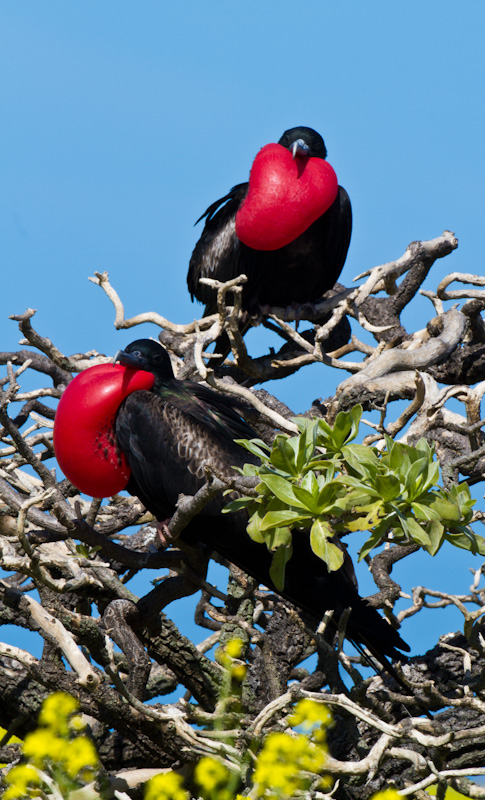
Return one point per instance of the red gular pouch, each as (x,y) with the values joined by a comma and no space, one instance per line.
(84,429)
(285,196)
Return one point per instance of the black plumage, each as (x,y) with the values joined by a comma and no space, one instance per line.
(300,272)
(169,434)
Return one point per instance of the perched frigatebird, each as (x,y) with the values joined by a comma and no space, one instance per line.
(288,229)
(132,425)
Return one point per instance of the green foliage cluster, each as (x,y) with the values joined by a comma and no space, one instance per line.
(324,482)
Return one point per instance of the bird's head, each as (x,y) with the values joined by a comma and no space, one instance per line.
(291,185)
(302,141)
(148,355)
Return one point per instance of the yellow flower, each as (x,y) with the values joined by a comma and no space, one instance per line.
(387,794)
(20,778)
(56,710)
(309,713)
(56,748)
(238,672)
(79,755)
(283,760)
(166,786)
(225,655)
(210,774)
(42,745)
(234,648)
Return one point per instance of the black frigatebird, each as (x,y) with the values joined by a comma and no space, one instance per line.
(288,229)
(133,425)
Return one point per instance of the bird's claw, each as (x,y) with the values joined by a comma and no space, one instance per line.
(165,537)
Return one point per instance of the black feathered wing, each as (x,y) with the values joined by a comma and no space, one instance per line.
(338,231)
(217,253)
(169,442)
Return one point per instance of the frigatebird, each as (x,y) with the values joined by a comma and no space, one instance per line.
(133,425)
(288,229)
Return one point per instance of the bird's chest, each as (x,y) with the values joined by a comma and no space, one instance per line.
(292,274)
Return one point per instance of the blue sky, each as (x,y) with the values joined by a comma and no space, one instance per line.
(122,121)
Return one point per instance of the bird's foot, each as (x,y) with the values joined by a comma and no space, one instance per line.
(259,313)
(294,309)
(301,311)
(308,309)
(165,537)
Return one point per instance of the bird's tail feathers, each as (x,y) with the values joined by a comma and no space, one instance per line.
(383,667)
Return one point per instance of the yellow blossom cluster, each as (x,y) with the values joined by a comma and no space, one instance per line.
(214,780)
(287,764)
(56,752)
(228,656)
(387,794)
(166,786)
(60,758)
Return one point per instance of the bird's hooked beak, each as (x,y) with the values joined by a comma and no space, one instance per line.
(134,359)
(300,148)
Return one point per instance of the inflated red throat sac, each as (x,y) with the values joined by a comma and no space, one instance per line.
(84,428)
(285,196)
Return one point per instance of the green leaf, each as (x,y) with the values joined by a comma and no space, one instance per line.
(367,521)
(415,531)
(432,477)
(310,484)
(412,481)
(278,564)
(448,511)
(326,550)
(255,446)
(238,504)
(306,445)
(327,467)
(283,455)
(345,428)
(301,422)
(397,458)
(278,537)
(254,526)
(328,496)
(360,495)
(87,552)
(363,460)
(387,486)
(355,417)
(424,512)
(282,489)
(276,519)
(373,541)
(467,540)
(250,470)
(461,496)
(436,533)
(306,498)
(425,447)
